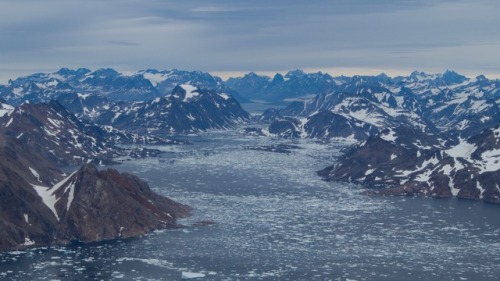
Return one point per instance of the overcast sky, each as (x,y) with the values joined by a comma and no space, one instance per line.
(231,37)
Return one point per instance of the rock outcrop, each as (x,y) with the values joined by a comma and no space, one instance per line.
(39,206)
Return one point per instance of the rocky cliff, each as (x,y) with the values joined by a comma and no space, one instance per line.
(41,206)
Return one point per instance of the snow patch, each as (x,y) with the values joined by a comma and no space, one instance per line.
(369,171)
(155,78)
(8,123)
(35,174)
(48,197)
(391,136)
(481,189)
(491,160)
(28,242)
(83,96)
(463,149)
(224,96)
(190,117)
(191,92)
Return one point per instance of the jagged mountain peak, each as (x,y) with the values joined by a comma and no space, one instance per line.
(254,75)
(295,73)
(277,79)
(72,73)
(451,77)
(104,72)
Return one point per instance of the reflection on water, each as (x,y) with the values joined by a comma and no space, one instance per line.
(275,219)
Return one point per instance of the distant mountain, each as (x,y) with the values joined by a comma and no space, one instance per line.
(139,86)
(446,103)
(187,109)
(249,85)
(449,102)
(411,163)
(42,207)
(295,84)
(166,80)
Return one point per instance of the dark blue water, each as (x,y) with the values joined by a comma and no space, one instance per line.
(276,220)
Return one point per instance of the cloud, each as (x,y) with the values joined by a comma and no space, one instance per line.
(223,35)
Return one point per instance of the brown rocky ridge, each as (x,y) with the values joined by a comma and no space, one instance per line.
(39,206)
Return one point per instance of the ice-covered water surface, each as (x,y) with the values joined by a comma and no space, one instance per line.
(275,219)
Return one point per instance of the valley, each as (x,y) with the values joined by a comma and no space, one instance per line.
(274,218)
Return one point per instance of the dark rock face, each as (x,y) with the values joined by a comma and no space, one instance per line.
(23,216)
(285,128)
(418,164)
(41,207)
(108,205)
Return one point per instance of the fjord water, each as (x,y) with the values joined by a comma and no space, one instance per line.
(275,219)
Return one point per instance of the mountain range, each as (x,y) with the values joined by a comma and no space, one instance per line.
(419,135)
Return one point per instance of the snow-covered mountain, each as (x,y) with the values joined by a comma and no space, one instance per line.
(142,85)
(61,138)
(187,109)
(446,103)
(413,163)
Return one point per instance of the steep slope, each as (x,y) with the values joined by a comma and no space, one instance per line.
(187,109)
(40,206)
(412,163)
(97,205)
(52,131)
(23,216)
(57,135)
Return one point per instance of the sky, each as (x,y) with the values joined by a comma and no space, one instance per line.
(232,37)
